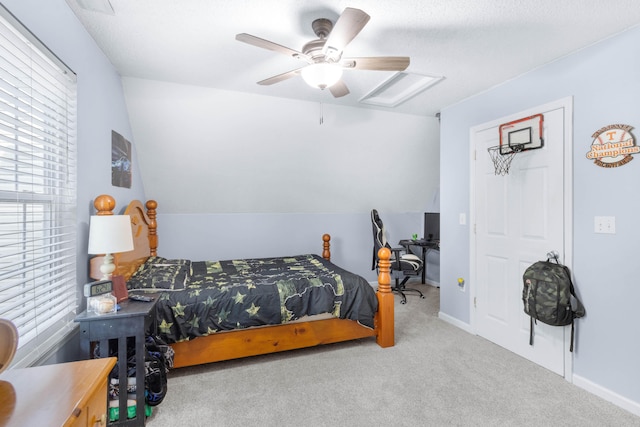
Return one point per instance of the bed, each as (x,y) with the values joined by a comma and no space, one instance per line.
(319,302)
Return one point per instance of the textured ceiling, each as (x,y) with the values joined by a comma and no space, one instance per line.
(474,44)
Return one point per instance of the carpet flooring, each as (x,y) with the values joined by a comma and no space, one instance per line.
(435,375)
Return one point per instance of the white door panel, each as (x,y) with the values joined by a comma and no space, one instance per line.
(519,218)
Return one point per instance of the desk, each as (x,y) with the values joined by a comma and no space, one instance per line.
(64,394)
(425,245)
(133,320)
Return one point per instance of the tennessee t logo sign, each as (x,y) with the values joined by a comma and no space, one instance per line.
(613,146)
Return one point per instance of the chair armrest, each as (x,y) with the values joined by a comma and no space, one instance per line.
(395,258)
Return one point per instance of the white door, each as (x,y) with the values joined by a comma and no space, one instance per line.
(519,218)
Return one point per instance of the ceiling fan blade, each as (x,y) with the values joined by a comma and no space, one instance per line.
(266,44)
(280,77)
(379,63)
(347,27)
(339,89)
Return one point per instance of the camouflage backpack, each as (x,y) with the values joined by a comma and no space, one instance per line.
(547,295)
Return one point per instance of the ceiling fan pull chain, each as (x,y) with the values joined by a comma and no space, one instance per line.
(321,114)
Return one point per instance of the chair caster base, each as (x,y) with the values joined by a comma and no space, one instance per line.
(402,290)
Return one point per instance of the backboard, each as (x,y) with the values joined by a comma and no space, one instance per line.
(521,135)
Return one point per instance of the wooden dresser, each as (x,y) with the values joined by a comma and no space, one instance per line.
(64,394)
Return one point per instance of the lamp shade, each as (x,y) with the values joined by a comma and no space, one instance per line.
(110,234)
(322,74)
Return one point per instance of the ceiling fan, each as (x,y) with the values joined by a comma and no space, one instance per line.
(324,55)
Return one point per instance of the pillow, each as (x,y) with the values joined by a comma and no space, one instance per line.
(160,274)
(158,260)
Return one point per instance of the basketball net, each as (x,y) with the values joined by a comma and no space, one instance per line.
(502,162)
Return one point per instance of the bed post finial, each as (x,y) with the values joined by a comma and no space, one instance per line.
(384,268)
(104,204)
(153,226)
(326,247)
(385,315)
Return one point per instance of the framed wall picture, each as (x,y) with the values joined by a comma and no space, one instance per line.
(120,161)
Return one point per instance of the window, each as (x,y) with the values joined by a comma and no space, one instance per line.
(37,190)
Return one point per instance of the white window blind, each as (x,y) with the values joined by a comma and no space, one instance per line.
(37,189)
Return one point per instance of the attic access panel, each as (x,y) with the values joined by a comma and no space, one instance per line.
(398,88)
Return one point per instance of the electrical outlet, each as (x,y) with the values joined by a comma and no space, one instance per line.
(604,224)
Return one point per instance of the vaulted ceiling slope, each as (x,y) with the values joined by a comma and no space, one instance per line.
(474,44)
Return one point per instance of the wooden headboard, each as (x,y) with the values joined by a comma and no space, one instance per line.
(144,230)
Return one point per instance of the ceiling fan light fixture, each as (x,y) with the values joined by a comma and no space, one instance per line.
(322,75)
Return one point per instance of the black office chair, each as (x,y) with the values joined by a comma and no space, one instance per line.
(402,263)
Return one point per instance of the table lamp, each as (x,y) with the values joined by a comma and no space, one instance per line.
(109,234)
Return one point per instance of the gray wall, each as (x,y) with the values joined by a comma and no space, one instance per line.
(228,236)
(350,167)
(239,175)
(101,109)
(101,106)
(605,360)
(205,150)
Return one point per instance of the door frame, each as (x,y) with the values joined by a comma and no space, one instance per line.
(567,105)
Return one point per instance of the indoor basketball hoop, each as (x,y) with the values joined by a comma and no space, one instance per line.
(515,137)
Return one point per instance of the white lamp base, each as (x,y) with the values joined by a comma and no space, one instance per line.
(108,267)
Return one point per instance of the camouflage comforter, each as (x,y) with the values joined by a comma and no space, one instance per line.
(203,297)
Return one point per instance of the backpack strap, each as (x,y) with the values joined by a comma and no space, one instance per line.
(571,344)
(532,316)
(530,330)
(578,312)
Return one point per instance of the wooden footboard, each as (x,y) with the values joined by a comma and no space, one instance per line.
(229,345)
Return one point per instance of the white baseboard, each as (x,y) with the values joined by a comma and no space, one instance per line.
(455,322)
(606,394)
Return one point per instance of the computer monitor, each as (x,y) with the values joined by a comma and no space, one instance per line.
(432,226)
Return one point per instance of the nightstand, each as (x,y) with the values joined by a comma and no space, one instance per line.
(130,323)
